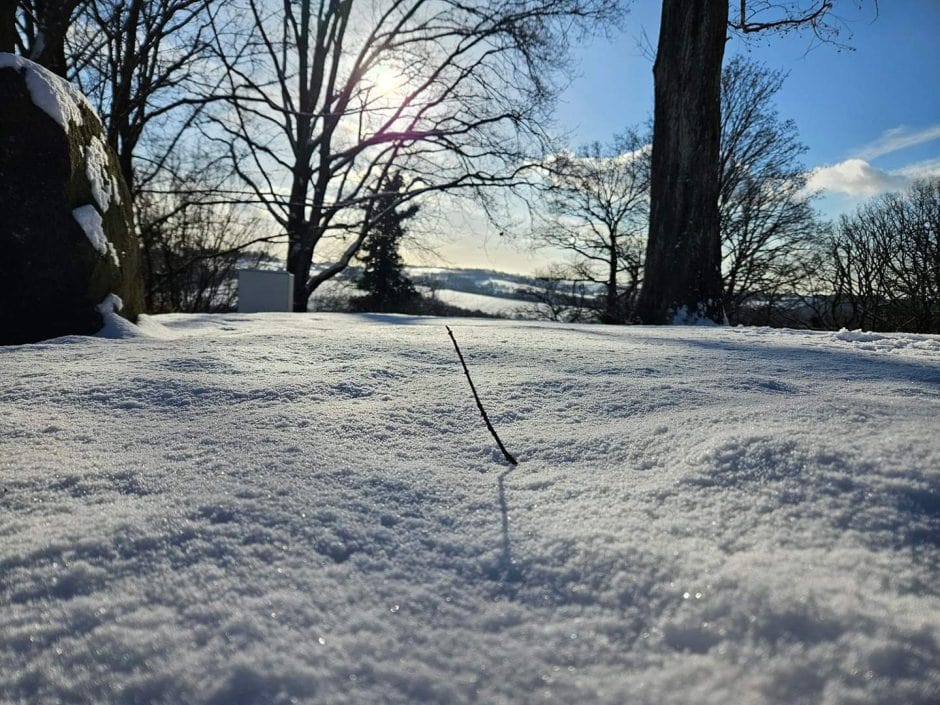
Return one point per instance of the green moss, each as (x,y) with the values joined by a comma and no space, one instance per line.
(117,222)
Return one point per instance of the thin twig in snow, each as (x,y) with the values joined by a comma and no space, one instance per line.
(476,396)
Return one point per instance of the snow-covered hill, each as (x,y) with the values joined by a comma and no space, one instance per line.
(476,291)
(498,306)
(259,509)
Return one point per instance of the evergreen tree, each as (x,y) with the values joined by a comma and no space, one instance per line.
(388,289)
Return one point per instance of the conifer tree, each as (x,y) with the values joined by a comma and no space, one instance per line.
(388,289)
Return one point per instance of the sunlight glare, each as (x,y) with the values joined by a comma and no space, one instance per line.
(387,80)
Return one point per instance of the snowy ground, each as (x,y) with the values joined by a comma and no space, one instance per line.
(493,305)
(282,508)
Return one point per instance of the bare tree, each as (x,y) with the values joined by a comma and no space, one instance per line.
(146,65)
(327,97)
(191,243)
(766,216)
(149,67)
(191,252)
(560,294)
(595,208)
(683,276)
(38,30)
(916,263)
(885,263)
(683,253)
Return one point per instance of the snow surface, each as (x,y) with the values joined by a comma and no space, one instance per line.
(278,508)
(93,226)
(50,93)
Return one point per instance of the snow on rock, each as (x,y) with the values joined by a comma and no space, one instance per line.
(50,93)
(285,508)
(114,326)
(74,237)
(91,223)
(97,169)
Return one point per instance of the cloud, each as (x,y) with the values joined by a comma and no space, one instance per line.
(929,168)
(569,157)
(896,139)
(856,177)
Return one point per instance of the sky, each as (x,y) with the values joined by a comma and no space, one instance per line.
(868,113)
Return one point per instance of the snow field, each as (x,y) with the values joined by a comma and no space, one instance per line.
(492,305)
(307,508)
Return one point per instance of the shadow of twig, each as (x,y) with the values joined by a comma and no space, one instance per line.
(507,571)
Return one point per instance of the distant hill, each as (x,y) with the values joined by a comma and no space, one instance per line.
(471,291)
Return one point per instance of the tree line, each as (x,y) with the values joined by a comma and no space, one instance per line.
(877,268)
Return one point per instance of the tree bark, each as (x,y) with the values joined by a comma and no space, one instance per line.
(299,261)
(54,20)
(612,314)
(682,279)
(8,26)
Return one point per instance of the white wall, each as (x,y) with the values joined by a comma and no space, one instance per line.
(264,290)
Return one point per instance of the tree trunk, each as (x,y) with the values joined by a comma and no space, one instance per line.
(682,280)
(299,260)
(611,314)
(8,26)
(54,20)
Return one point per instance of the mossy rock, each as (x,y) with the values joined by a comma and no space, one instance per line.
(67,236)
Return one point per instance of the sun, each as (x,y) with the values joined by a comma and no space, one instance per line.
(387,80)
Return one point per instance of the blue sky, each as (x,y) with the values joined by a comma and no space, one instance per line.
(870,115)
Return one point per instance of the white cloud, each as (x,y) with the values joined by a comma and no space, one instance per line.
(895,139)
(856,177)
(921,170)
(568,156)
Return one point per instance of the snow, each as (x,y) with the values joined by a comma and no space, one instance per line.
(929,344)
(50,93)
(103,186)
(116,327)
(684,317)
(91,223)
(278,508)
(493,305)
